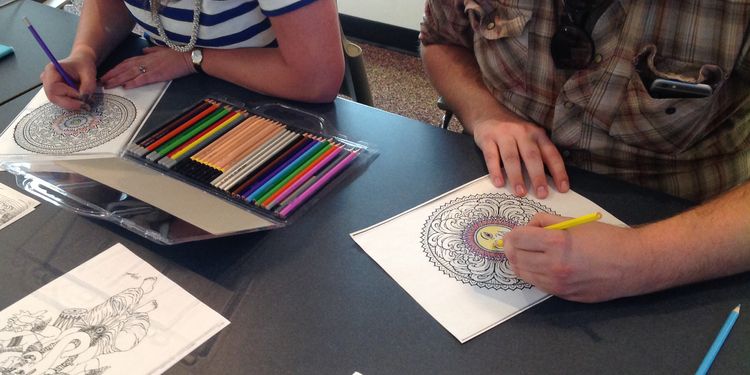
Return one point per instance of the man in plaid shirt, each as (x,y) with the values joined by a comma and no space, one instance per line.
(541,84)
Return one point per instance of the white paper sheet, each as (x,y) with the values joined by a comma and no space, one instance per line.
(14,205)
(114,314)
(441,252)
(45,131)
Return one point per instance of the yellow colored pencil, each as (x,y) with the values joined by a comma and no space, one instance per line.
(565,224)
(205,136)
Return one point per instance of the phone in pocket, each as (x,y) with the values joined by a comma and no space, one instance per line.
(667,88)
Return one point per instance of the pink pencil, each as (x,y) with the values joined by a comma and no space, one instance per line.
(288,190)
(317,185)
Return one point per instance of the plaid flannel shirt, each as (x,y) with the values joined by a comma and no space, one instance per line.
(602,118)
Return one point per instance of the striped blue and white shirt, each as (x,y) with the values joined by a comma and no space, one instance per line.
(223,23)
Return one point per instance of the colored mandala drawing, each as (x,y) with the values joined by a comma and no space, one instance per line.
(50,129)
(459,238)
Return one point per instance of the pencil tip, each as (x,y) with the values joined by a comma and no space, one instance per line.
(738,307)
(26,21)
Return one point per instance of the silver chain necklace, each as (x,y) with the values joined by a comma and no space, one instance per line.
(197,5)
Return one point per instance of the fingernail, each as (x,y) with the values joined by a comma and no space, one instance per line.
(541,191)
(498,182)
(85,107)
(520,190)
(564,185)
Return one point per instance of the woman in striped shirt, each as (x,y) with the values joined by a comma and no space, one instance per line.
(268,46)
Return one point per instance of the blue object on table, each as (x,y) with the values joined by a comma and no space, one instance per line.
(5,50)
(714,349)
(49,54)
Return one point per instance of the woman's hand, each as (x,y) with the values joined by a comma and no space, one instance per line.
(81,67)
(157,64)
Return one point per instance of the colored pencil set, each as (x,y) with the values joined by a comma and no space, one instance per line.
(253,159)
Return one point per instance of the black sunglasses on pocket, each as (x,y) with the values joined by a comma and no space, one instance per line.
(572,46)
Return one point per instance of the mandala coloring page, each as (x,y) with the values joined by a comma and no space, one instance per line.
(50,129)
(459,238)
(444,253)
(44,130)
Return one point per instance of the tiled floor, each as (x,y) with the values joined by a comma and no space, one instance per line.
(399,85)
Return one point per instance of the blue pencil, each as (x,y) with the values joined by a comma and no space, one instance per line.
(49,54)
(714,349)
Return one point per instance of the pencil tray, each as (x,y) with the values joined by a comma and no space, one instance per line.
(275,163)
(273,159)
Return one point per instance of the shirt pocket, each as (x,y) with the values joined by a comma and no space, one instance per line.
(493,20)
(500,40)
(666,125)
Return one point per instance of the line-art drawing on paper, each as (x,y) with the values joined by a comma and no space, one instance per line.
(73,343)
(10,208)
(50,129)
(459,238)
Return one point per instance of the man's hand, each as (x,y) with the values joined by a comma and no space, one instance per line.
(514,145)
(589,263)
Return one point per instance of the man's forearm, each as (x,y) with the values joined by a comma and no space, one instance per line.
(454,73)
(710,241)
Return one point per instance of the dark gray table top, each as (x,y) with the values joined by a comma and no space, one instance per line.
(305,299)
(19,72)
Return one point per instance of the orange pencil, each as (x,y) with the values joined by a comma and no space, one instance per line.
(208,150)
(240,153)
(247,136)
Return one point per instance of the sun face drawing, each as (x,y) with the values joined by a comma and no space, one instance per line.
(50,129)
(459,238)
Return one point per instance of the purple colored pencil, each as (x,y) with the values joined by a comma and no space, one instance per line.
(51,57)
(310,143)
(284,212)
(301,189)
(291,188)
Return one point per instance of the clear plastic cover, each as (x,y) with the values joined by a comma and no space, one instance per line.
(87,197)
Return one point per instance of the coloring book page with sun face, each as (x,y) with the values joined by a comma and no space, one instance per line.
(45,131)
(443,253)
(114,314)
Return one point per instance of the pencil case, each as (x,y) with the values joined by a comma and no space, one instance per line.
(273,159)
(218,167)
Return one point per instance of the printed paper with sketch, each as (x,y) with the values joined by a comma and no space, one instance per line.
(14,205)
(114,314)
(443,253)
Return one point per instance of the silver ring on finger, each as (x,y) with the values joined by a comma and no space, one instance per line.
(142,69)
